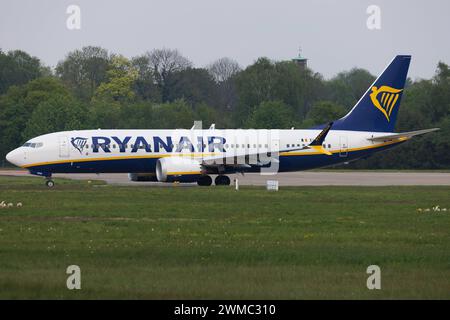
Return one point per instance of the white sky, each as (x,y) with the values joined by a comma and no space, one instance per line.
(332,33)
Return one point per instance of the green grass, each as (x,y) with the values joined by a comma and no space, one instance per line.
(208,243)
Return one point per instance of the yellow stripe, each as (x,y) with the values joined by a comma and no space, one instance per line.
(121,158)
(182,173)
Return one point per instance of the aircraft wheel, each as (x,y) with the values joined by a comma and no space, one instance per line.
(204,181)
(222,181)
(49,183)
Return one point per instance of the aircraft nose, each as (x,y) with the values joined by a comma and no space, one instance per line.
(14,157)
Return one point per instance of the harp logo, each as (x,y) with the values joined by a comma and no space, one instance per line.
(384,99)
(78,143)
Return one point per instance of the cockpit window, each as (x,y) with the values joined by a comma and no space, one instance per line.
(33,144)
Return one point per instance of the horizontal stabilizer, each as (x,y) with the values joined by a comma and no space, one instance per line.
(405,135)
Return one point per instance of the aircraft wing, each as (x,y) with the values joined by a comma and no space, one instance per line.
(241,159)
(402,135)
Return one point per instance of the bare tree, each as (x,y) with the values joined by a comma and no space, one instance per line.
(166,61)
(223,69)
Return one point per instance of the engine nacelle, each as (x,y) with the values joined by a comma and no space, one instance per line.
(178,169)
(142,177)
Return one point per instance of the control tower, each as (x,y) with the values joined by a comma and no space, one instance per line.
(301,61)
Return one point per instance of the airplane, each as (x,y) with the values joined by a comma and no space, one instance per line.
(193,155)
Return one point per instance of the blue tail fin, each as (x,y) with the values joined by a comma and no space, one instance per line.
(377,109)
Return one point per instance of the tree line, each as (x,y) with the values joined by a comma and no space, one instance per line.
(94,88)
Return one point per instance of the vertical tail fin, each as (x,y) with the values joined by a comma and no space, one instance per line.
(378,107)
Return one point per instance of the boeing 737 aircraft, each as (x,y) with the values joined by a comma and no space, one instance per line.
(193,155)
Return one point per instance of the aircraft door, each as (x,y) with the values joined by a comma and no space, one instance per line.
(63,146)
(272,156)
(274,144)
(343,146)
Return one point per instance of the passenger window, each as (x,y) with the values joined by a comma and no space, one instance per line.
(329,145)
(266,145)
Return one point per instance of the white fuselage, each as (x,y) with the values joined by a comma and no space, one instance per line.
(131,150)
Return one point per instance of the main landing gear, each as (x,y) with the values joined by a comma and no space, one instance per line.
(220,180)
(49,183)
(204,181)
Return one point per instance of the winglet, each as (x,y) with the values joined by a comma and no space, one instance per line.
(316,144)
(318,141)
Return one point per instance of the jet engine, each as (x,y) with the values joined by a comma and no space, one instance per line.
(178,169)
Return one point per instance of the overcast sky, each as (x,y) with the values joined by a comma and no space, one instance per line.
(332,33)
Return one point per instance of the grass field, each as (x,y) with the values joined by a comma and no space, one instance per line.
(216,243)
